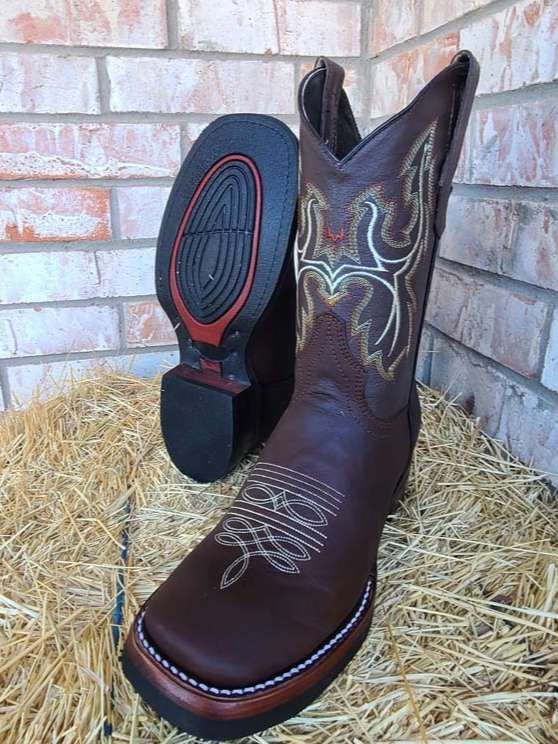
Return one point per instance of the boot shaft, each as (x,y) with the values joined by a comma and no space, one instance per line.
(371,213)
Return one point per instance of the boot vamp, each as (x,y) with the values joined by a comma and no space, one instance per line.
(289,562)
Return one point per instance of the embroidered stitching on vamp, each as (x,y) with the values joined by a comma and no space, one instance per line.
(280,516)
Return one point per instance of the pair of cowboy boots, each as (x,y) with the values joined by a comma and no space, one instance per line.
(268,609)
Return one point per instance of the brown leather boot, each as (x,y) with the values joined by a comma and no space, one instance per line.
(270,607)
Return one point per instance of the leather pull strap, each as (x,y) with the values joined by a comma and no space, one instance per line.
(464,97)
(331,94)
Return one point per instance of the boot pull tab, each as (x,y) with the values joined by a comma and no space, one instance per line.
(331,95)
(464,94)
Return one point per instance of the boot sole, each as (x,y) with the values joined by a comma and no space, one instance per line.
(200,710)
(223,248)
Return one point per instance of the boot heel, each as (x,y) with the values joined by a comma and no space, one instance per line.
(207,422)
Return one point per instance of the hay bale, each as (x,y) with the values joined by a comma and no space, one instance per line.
(464,645)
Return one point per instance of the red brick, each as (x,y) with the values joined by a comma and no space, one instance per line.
(130,23)
(503,325)
(49,150)
(57,330)
(140,209)
(515,47)
(393,22)
(49,214)
(395,81)
(48,83)
(147,325)
(200,86)
(516,145)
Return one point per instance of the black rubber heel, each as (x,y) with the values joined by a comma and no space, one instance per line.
(207,423)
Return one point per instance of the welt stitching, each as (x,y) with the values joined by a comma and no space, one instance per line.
(167,665)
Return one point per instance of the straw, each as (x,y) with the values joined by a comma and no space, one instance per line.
(464,643)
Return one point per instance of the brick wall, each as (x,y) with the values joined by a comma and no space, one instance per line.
(100,100)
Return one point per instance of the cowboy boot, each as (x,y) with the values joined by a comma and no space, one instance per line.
(224,277)
(269,608)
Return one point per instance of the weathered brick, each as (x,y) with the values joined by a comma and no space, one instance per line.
(57,330)
(529,429)
(147,324)
(46,380)
(48,83)
(126,272)
(396,80)
(503,325)
(550,370)
(533,253)
(467,379)
(200,86)
(516,145)
(313,27)
(438,12)
(515,47)
(393,23)
(132,23)
(271,26)
(51,150)
(76,275)
(140,209)
(208,26)
(478,232)
(49,276)
(49,214)
(516,239)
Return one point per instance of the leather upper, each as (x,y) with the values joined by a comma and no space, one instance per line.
(289,561)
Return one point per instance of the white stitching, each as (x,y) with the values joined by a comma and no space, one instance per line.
(276,518)
(139,627)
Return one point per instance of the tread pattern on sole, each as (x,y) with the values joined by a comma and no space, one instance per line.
(214,255)
(152,650)
(215,249)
